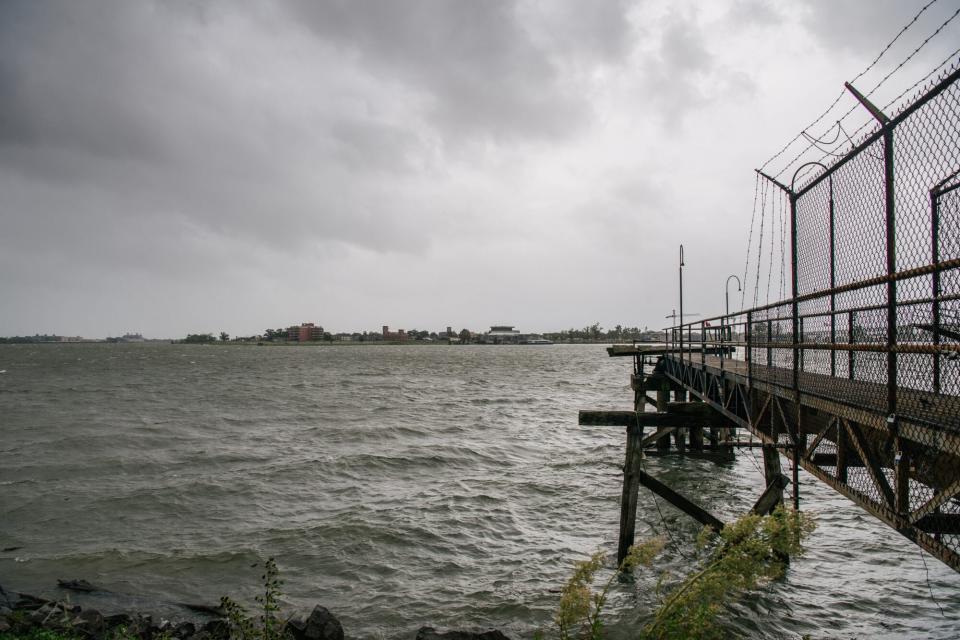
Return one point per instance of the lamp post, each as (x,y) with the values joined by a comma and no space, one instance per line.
(681,302)
(726,318)
(727,290)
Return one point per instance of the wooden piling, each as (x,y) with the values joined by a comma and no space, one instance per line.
(772,473)
(680,435)
(631,472)
(663,399)
(696,431)
(631,490)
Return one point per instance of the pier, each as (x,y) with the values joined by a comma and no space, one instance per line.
(855,376)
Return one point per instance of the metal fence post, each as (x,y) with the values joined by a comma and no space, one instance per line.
(891,269)
(935,258)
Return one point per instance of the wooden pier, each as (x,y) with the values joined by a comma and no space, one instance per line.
(855,377)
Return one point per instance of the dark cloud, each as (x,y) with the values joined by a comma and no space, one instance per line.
(484,71)
(361,163)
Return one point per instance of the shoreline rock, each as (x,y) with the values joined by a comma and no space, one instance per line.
(22,612)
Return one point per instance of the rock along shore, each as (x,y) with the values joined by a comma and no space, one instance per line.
(22,613)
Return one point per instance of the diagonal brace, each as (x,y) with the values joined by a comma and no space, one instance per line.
(771,496)
(695,511)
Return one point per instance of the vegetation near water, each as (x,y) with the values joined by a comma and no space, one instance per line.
(746,554)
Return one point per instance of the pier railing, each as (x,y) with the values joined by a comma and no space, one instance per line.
(870,333)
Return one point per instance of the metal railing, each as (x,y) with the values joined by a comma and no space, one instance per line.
(872,321)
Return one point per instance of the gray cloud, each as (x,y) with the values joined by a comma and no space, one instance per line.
(362,163)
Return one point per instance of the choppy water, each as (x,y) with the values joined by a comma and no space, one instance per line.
(398,486)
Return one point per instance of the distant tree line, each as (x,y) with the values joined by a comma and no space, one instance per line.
(590,333)
(596,333)
(29,339)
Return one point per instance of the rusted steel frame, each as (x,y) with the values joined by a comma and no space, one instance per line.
(870,418)
(729,415)
(939,497)
(786,423)
(863,415)
(873,469)
(925,541)
(876,347)
(906,274)
(763,409)
(816,441)
(878,307)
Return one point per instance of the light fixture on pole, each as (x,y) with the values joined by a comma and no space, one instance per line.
(681,302)
(727,290)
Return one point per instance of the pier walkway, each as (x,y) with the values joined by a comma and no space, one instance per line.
(855,376)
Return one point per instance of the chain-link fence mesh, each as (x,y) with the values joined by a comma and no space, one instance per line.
(865,360)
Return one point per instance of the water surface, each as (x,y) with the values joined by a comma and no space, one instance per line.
(398,486)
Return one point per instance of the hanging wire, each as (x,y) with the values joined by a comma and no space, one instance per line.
(915,51)
(820,140)
(916,84)
(891,43)
(746,267)
(773,226)
(763,211)
(843,92)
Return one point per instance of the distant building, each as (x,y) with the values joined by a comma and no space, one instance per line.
(502,334)
(306,332)
(399,336)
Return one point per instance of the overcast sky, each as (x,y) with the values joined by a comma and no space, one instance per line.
(173,167)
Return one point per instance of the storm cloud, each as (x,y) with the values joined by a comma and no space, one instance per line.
(180,166)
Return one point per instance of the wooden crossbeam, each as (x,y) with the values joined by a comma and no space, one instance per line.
(695,511)
(677,414)
(659,433)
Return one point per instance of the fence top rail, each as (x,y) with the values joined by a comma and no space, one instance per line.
(915,272)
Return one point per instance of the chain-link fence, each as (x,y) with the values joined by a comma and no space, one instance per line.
(866,352)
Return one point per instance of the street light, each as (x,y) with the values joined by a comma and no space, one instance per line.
(726,318)
(681,302)
(727,290)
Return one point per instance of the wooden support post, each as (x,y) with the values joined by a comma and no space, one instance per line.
(631,490)
(693,510)
(663,399)
(680,434)
(772,473)
(714,438)
(842,457)
(696,431)
(771,496)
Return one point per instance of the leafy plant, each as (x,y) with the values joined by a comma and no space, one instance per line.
(38,634)
(580,608)
(745,555)
(266,626)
